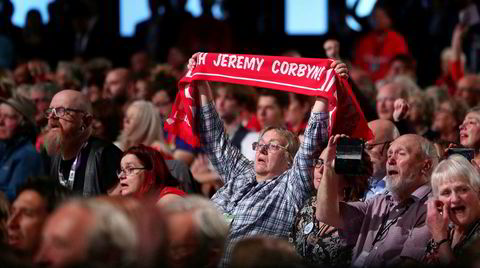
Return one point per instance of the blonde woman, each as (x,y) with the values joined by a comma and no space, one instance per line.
(142,125)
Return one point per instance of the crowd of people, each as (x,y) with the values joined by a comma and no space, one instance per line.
(90,178)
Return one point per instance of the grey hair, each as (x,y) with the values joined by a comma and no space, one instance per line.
(148,127)
(455,168)
(409,87)
(211,227)
(475,109)
(293,143)
(49,89)
(429,152)
(112,231)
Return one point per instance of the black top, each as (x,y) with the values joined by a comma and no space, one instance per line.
(106,171)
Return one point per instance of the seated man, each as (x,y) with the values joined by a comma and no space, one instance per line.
(80,162)
(390,227)
(264,197)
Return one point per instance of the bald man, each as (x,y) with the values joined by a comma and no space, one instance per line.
(385,132)
(119,85)
(468,90)
(84,164)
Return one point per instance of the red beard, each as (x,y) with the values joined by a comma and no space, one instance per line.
(53,143)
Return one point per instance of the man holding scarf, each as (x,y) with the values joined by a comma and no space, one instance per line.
(263,197)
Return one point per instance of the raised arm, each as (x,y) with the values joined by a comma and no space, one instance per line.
(315,136)
(226,158)
(328,208)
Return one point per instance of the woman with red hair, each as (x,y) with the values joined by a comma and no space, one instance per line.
(144,173)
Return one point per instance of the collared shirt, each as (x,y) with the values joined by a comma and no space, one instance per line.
(406,237)
(375,187)
(259,208)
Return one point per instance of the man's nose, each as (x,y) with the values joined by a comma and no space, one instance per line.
(12,222)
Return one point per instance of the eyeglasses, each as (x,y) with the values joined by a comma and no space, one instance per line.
(61,111)
(129,171)
(370,146)
(318,162)
(268,146)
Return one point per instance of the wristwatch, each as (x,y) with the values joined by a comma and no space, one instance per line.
(436,245)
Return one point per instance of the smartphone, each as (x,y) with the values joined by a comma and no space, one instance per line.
(349,156)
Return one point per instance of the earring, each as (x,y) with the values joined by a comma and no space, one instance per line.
(82,128)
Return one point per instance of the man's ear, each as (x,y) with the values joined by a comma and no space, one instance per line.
(427,167)
(87,120)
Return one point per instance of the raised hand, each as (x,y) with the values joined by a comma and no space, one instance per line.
(340,68)
(401,108)
(438,219)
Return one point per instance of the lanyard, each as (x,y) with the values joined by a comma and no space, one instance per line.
(71,176)
(386,224)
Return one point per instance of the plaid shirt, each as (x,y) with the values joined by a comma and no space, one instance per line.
(259,208)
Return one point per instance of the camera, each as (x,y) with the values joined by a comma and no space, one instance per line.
(468,153)
(350,158)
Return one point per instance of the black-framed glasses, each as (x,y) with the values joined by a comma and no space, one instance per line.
(318,162)
(129,171)
(256,146)
(370,146)
(61,111)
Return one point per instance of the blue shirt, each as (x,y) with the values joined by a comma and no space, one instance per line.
(374,187)
(18,161)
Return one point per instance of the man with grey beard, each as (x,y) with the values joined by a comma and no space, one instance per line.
(84,164)
(389,228)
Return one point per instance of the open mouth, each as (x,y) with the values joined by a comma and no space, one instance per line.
(458,209)
(123,184)
(392,172)
(13,239)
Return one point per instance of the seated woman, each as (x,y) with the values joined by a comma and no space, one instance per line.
(144,174)
(143,125)
(317,242)
(453,215)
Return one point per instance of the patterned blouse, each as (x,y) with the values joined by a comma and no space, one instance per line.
(318,243)
(473,234)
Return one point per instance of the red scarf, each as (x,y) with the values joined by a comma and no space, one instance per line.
(300,75)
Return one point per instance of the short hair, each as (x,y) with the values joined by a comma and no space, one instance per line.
(48,88)
(48,188)
(244,95)
(406,59)
(453,168)
(281,98)
(157,174)
(425,105)
(429,152)
(211,227)
(459,109)
(112,232)
(475,109)
(73,72)
(105,111)
(293,143)
(262,251)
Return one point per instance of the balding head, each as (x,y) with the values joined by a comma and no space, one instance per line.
(73,99)
(468,89)
(384,132)
(69,122)
(117,84)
